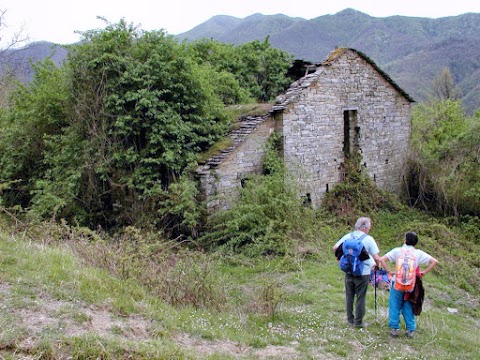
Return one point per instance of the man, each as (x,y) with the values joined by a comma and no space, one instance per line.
(356,286)
(398,300)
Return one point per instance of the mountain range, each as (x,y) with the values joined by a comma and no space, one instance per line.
(21,60)
(413,51)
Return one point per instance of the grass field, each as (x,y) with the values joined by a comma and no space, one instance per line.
(56,305)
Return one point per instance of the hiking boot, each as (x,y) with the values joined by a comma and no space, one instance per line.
(394,333)
(410,333)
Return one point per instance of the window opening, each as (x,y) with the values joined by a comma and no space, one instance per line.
(351,133)
(307,199)
(243,181)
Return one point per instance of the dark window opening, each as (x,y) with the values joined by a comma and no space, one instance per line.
(326,188)
(386,161)
(307,199)
(351,133)
(244,181)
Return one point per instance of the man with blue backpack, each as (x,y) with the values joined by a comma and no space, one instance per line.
(357,253)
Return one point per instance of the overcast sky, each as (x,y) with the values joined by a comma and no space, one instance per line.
(59,20)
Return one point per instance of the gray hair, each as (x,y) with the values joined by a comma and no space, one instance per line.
(363,223)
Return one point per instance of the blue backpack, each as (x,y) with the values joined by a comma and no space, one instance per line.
(350,261)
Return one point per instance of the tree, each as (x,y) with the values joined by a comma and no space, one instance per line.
(142,110)
(259,69)
(445,159)
(265,69)
(33,113)
(224,64)
(444,87)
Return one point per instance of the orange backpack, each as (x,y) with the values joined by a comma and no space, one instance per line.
(405,270)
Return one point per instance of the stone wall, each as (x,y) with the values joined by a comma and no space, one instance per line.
(221,176)
(313,125)
(348,104)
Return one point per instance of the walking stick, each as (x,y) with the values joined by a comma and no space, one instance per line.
(375,290)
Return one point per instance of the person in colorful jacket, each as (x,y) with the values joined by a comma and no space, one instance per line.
(398,300)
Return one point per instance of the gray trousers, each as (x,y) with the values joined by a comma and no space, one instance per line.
(356,292)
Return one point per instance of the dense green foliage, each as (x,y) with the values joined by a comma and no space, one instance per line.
(445,158)
(35,114)
(144,110)
(110,138)
(262,220)
(254,67)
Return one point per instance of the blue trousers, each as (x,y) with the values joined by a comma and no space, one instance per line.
(397,305)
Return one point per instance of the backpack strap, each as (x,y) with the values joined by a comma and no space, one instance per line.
(353,237)
(360,238)
(364,254)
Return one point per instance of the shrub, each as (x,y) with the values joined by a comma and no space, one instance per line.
(261,220)
(444,159)
(357,194)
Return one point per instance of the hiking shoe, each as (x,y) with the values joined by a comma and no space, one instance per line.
(410,333)
(394,333)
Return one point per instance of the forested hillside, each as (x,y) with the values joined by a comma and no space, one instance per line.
(413,51)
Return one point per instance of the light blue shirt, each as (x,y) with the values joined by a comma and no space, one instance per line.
(369,244)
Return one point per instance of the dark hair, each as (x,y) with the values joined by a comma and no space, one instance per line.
(411,238)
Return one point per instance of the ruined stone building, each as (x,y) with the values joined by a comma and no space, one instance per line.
(346,104)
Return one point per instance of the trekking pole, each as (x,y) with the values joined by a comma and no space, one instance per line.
(375,290)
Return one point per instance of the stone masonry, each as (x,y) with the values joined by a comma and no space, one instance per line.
(222,175)
(348,104)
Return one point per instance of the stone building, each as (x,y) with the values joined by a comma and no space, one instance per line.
(346,104)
